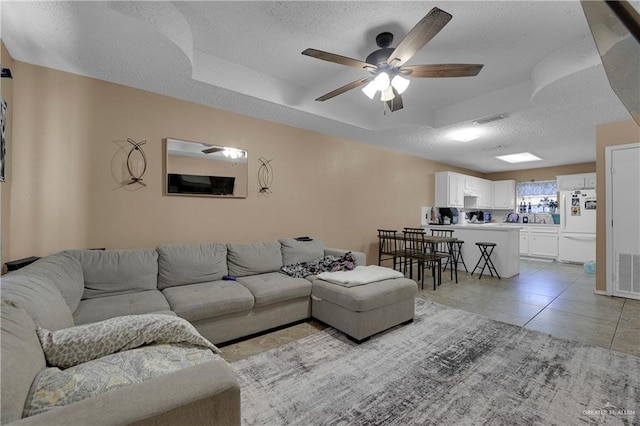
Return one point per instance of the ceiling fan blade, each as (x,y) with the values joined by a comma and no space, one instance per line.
(337,59)
(420,35)
(442,70)
(345,88)
(212,150)
(396,103)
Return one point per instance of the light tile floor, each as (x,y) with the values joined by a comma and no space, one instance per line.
(550,297)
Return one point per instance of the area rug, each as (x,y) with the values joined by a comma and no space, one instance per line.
(447,367)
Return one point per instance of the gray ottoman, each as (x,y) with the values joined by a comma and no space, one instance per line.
(364,310)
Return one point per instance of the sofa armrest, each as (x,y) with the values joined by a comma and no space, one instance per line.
(358,256)
(207,393)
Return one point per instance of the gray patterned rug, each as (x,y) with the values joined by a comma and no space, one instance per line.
(447,367)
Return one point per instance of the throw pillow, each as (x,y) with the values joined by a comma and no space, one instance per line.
(71,346)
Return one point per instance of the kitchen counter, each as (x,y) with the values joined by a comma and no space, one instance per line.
(487,226)
(506,255)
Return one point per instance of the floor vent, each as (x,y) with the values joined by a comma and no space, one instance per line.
(629,272)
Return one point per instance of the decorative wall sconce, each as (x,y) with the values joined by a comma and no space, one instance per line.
(136,162)
(265,176)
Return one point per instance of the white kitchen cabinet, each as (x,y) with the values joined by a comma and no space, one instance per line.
(472,186)
(539,241)
(524,242)
(504,194)
(449,190)
(485,195)
(577,181)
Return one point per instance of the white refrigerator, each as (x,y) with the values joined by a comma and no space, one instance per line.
(577,241)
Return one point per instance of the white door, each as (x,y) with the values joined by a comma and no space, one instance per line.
(623,229)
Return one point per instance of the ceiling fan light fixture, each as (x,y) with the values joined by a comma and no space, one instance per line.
(370,89)
(400,84)
(387,94)
(382,81)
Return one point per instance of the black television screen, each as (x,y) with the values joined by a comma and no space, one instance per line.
(200,185)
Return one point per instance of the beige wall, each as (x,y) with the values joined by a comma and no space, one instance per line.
(68,133)
(6,90)
(543,173)
(612,134)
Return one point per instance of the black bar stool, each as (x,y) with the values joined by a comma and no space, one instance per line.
(485,255)
(457,253)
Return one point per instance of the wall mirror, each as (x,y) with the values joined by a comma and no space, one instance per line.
(205,170)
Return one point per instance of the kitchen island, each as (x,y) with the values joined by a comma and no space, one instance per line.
(506,255)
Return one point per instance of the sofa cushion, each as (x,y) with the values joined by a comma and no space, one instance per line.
(195,302)
(274,287)
(110,272)
(190,264)
(38,296)
(56,388)
(65,272)
(253,258)
(82,343)
(21,359)
(101,308)
(294,251)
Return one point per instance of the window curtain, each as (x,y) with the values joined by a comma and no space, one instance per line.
(527,189)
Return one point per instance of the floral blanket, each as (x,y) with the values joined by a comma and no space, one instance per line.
(325,264)
(92,359)
(54,387)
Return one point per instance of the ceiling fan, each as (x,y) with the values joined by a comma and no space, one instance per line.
(389,75)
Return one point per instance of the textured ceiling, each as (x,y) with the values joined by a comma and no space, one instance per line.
(542,69)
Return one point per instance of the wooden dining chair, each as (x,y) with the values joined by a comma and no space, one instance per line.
(445,250)
(388,247)
(414,229)
(414,253)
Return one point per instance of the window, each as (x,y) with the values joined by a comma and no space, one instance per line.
(537,197)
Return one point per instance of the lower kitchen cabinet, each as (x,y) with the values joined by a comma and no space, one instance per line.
(539,241)
(524,242)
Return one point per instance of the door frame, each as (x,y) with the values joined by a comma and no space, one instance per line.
(610,261)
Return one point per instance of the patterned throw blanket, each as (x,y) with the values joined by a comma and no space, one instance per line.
(100,357)
(325,264)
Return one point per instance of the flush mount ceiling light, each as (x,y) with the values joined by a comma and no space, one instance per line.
(522,157)
(466,135)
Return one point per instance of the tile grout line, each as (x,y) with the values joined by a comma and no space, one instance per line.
(617,324)
(546,306)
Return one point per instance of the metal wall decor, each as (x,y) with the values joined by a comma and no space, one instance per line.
(265,176)
(136,166)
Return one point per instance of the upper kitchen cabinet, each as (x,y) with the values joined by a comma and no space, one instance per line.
(485,195)
(504,194)
(472,186)
(449,189)
(578,181)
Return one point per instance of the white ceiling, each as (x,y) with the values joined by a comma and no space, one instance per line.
(541,68)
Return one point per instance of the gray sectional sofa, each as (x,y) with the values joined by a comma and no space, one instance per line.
(78,287)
